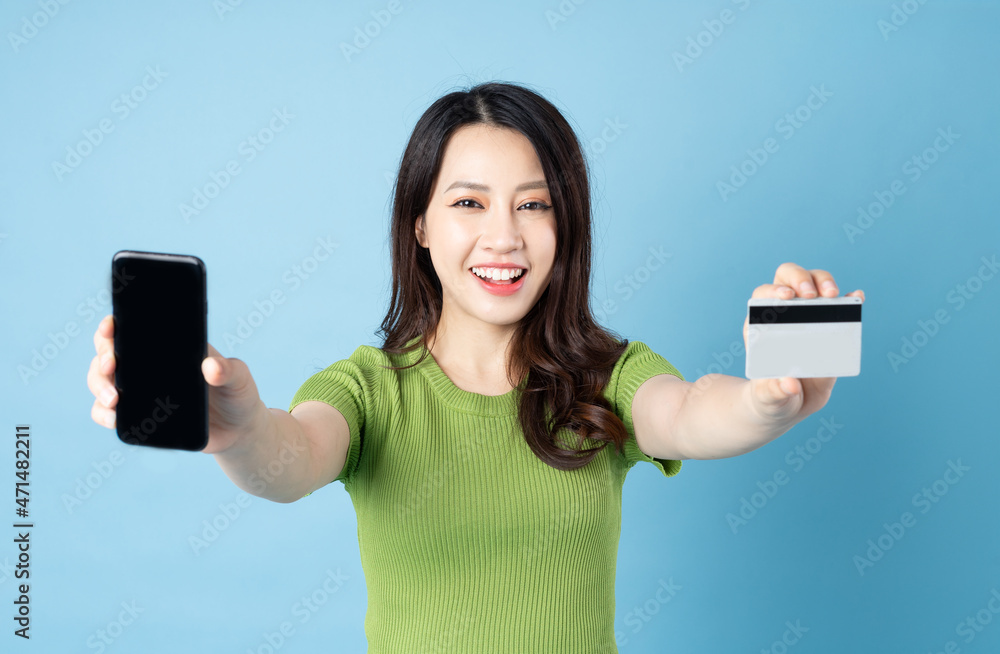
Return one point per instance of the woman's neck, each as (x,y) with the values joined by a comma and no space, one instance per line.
(473,357)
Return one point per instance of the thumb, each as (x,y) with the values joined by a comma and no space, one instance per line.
(777,397)
(216,368)
(790,386)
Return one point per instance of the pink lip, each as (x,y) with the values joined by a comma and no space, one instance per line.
(501,289)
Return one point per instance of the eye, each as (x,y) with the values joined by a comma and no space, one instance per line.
(465,206)
(540,206)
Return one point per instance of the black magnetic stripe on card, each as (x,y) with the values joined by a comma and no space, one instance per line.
(790,313)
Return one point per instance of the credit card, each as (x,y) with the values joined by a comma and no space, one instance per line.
(803,337)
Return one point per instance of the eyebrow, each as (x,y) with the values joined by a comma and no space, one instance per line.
(527,186)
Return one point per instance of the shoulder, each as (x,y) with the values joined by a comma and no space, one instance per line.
(634,349)
(637,363)
(639,354)
(369,355)
(358,380)
(373,359)
(367,366)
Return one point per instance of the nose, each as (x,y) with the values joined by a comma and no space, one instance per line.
(501,231)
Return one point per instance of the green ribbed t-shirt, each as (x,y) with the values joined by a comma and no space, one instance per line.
(468,541)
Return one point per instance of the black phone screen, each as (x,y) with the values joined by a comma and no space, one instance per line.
(160,308)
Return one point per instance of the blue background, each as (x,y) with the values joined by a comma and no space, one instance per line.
(681,125)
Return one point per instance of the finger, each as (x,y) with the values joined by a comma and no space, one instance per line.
(214,367)
(222,371)
(94,376)
(770,400)
(104,344)
(102,387)
(789,386)
(777,391)
(105,330)
(858,293)
(103,415)
(796,277)
(823,281)
(107,363)
(773,290)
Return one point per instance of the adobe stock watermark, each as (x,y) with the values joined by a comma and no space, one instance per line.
(725,359)
(913,169)
(592,147)
(787,126)
(796,459)
(121,107)
(973,624)
(223,7)
(792,635)
(365,34)
(85,487)
(925,500)
(899,16)
(642,614)
(959,295)
(30,25)
(627,286)
(229,512)
(562,12)
(292,278)
(58,342)
(609,134)
(714,27)
(112,631)
(248,149)
(302,610)
(160,413)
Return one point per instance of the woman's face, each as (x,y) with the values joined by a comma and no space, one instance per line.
(490,209)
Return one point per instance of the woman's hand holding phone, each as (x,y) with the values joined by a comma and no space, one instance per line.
(234,403)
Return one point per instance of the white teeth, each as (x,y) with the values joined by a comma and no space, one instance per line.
(498,274)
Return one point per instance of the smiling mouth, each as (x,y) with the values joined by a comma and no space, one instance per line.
(520,275)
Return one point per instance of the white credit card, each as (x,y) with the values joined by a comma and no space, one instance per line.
(818,337)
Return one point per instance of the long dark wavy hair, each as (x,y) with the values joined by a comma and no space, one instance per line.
(567,356)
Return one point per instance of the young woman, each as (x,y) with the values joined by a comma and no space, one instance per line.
(484,445)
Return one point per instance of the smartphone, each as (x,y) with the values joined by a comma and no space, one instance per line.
(803,337)
(160,312)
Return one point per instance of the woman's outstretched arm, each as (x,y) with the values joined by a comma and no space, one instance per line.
(288,455)
(721,416)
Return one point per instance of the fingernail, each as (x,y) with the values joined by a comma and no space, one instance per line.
(105,359)
(107,395)
(828,285)
(109,420)
(807,287)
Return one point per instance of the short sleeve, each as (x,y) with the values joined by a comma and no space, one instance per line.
(635,366)
(344,386)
